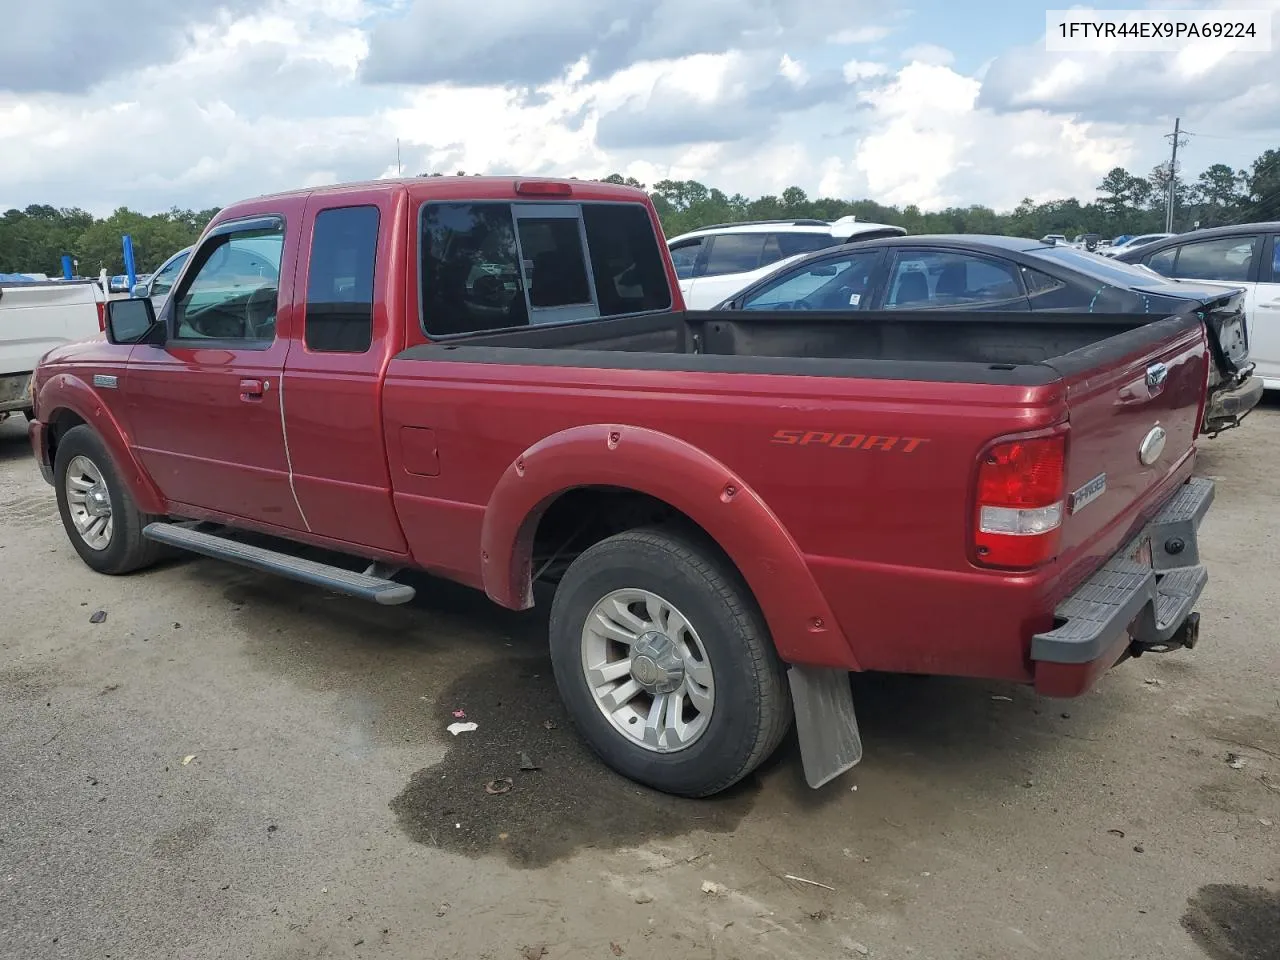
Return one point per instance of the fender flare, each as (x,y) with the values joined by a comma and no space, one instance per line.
(64,391)
(803,626)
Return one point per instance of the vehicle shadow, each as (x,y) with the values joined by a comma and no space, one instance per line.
(408,672)
(13,438)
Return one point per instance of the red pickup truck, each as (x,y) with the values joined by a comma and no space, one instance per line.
(494,380)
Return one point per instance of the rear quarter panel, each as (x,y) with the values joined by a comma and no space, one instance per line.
(871,479)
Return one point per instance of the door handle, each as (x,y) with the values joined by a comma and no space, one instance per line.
(1157,373)
(252,389)
(1272,305)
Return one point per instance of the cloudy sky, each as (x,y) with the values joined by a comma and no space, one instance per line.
(157,103)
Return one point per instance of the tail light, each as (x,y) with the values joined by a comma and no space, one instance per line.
(102,316)
(543,188)
(1020,502)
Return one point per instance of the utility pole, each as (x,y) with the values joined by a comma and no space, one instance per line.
(398,172)
(1173,175)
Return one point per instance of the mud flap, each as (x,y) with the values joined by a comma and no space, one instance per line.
(825,722)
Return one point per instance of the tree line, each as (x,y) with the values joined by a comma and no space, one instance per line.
(1125,204)
(34,240)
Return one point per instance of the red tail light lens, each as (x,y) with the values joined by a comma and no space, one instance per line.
(102,316)
(543,188)
(1018,515)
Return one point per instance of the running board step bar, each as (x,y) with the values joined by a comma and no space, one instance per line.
(362,585)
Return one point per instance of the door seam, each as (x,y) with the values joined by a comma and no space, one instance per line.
(288,459)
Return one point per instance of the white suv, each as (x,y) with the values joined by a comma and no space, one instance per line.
(714,263)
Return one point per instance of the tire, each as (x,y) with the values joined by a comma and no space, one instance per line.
(726,644)
(125,549)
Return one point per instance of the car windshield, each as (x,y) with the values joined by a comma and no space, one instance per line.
(1104,268)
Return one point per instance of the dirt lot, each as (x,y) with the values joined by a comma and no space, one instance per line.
(236,766)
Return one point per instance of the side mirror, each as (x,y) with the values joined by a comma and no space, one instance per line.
(141,290)
(128,321)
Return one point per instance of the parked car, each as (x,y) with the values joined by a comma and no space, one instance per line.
(1119,246)
(157,286)
(1245,255)
(716,497)
(968,272)
(35,317)
(717,261)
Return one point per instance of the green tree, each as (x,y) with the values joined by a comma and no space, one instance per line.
(1264,187)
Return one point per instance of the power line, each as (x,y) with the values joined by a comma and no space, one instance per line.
(1218,136)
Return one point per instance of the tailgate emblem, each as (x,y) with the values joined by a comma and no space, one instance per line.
(1152,446)
(1085,495)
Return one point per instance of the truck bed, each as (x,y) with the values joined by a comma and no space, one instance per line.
(972,347)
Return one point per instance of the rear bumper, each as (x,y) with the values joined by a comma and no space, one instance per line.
(15,391)
(1128,605)
(1227,406)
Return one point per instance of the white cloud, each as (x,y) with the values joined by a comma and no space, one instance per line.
(934,146)
(855,70)
(929,53)
(854,35)
(258,101)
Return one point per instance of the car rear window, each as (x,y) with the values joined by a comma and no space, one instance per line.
(1104,268)
(494,266)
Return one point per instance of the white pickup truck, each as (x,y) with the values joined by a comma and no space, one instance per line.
(35,317)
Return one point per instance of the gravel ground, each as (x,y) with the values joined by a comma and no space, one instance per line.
(230,765)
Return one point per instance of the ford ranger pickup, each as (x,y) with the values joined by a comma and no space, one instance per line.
(494,380)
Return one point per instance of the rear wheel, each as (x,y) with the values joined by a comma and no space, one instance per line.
(98,511)
(666,664)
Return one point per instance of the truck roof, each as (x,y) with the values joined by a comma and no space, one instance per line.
(454,188)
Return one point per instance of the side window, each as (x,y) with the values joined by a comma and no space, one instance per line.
(937,279)
(793,243)
(1162,262)
(1230,258)
(340,280)
(626,259)
(735,253)
(835,284)
(1275,259)
(685,257)
(470,272)
(163,281)
(232,292)
(1039,283)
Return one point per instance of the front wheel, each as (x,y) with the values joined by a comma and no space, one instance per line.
(98,511)
(665,663)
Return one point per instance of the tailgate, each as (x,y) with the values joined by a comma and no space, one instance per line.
(1222,310)
(1132,422)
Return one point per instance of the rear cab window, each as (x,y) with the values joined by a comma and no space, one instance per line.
(488,266)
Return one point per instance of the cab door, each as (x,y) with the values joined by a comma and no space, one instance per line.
(343,337)
(204,407)
(1264,319)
